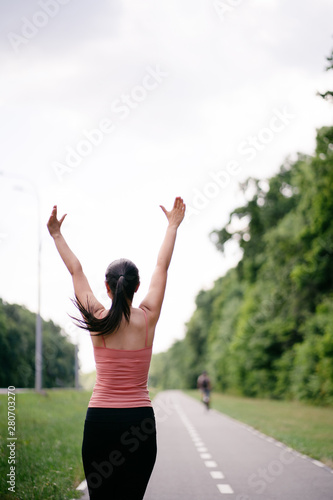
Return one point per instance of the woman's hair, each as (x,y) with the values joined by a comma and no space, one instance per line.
(122,276)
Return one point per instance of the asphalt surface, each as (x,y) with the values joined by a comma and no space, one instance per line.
(205,455)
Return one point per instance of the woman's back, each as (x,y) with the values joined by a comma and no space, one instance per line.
(129,336)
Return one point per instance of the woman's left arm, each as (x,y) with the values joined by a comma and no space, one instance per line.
(81,286)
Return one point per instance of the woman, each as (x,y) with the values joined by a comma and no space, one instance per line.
(119,439)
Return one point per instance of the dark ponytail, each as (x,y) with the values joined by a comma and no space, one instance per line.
(122,276)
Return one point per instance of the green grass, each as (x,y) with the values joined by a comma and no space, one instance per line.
(48,453)
(307,429)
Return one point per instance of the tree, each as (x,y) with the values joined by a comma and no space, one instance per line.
(265,328)
(17,350)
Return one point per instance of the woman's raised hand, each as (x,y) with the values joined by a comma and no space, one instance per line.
(54,224)
(176,215)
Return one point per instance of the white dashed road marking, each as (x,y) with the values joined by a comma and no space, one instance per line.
(216,474)
(201,448)
(210,463)
(225,488)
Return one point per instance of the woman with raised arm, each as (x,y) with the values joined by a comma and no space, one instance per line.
(119,438)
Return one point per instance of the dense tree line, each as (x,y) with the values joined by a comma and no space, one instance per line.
(266,328)
(17,350)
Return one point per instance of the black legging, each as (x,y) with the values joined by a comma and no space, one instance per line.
(118,452)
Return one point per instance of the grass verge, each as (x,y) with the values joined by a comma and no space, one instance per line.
(307,429)
(48,448)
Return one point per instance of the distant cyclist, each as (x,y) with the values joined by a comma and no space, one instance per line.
(204,386)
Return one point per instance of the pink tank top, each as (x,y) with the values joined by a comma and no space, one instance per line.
(122,377)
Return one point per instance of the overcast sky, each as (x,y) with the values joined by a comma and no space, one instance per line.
(111,108)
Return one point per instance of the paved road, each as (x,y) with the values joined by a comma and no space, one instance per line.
(206,456)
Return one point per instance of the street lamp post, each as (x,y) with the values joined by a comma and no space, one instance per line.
(38,347)
(39,342)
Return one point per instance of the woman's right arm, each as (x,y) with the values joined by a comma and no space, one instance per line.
(81,286)
(154,298)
